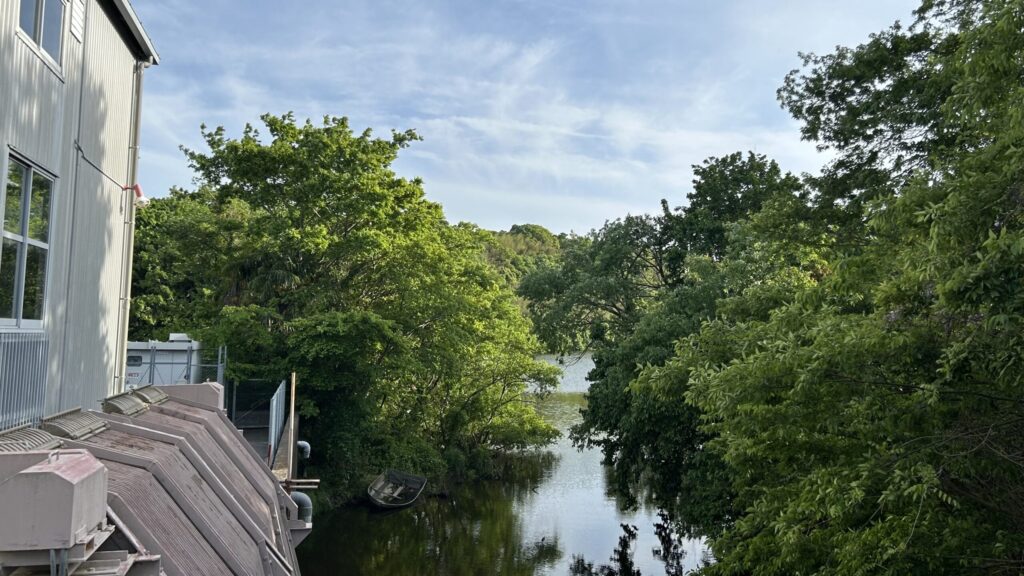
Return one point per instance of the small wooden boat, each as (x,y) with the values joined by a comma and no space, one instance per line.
(394,489)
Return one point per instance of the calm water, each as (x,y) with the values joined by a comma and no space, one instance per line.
(532,525)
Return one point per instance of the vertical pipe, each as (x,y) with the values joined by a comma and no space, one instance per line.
(152,363)
(133,179)
(291,431)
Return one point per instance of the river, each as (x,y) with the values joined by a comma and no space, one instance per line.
(556,508)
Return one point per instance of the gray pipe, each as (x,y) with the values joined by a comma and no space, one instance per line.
(305,505)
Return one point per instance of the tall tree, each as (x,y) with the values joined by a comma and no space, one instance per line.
(303,250)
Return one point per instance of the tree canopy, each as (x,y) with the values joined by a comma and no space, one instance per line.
(302,250)
(826,380)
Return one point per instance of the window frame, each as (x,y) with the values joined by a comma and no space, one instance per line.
(24,240)
(34,40)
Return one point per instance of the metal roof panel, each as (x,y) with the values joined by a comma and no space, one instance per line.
(74,425)
(27,440)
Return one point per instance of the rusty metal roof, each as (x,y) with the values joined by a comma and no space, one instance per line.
(190,490)
(246,459)
(184,482)
(157,520)
(225,434)
(245,490)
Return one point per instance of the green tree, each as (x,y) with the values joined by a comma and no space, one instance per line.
(302,250)
(869,417)
(634,288)
(523,249)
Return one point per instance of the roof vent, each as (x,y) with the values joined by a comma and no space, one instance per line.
(75,426)
(178,337)
(152,395)
(27,440)
(125,404)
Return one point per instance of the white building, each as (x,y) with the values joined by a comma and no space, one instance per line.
(97,480)
(70,93)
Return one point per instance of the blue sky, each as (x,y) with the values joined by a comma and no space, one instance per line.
(565,114)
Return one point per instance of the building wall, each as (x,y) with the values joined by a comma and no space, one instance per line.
(76,122)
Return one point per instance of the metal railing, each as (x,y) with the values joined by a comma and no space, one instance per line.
(23,364)
(277,414)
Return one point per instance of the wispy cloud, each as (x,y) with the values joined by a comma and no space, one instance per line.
(564,114)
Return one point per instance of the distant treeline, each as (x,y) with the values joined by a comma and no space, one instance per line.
(825,374)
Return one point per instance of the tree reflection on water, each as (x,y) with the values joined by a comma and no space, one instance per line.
(551,512)
(671,554)
(470,532)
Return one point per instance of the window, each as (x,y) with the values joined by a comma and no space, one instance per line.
(24,245)
(43,21)
(134,360)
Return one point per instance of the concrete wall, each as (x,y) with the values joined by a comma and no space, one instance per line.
(48,113)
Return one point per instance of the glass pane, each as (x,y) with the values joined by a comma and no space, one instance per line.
(53,20)
(28,17)
(35,283)
(8,276)
(39,208)
(12,206)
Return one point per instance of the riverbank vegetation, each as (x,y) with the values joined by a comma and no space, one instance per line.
(300,249)
(818,374)
(823,374)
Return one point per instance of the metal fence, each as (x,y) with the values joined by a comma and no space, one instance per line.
(197,365)
(277,415)
(23,363)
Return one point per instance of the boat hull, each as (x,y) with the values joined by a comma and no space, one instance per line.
(393,489)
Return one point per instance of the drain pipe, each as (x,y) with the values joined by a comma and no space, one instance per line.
(129,242)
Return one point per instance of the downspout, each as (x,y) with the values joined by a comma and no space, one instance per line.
(133,176)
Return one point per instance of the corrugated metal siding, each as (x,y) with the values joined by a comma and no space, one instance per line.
(97,232)
(41,112)
(22,378)
(93,302)
(109,89)
(33,102)
(175,536)
(60,223)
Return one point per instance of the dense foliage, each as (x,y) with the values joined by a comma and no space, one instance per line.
(304,251)
(824,375)
(525,248)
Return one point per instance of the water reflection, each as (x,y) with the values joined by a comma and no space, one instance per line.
(555,505)
(475,530)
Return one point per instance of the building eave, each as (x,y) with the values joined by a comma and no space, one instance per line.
(127,12)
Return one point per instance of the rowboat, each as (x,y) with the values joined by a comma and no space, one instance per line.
(393,489)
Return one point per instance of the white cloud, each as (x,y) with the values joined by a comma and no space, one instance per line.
(566,115)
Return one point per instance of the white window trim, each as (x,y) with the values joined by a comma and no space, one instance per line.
(19,323)
(55,66)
